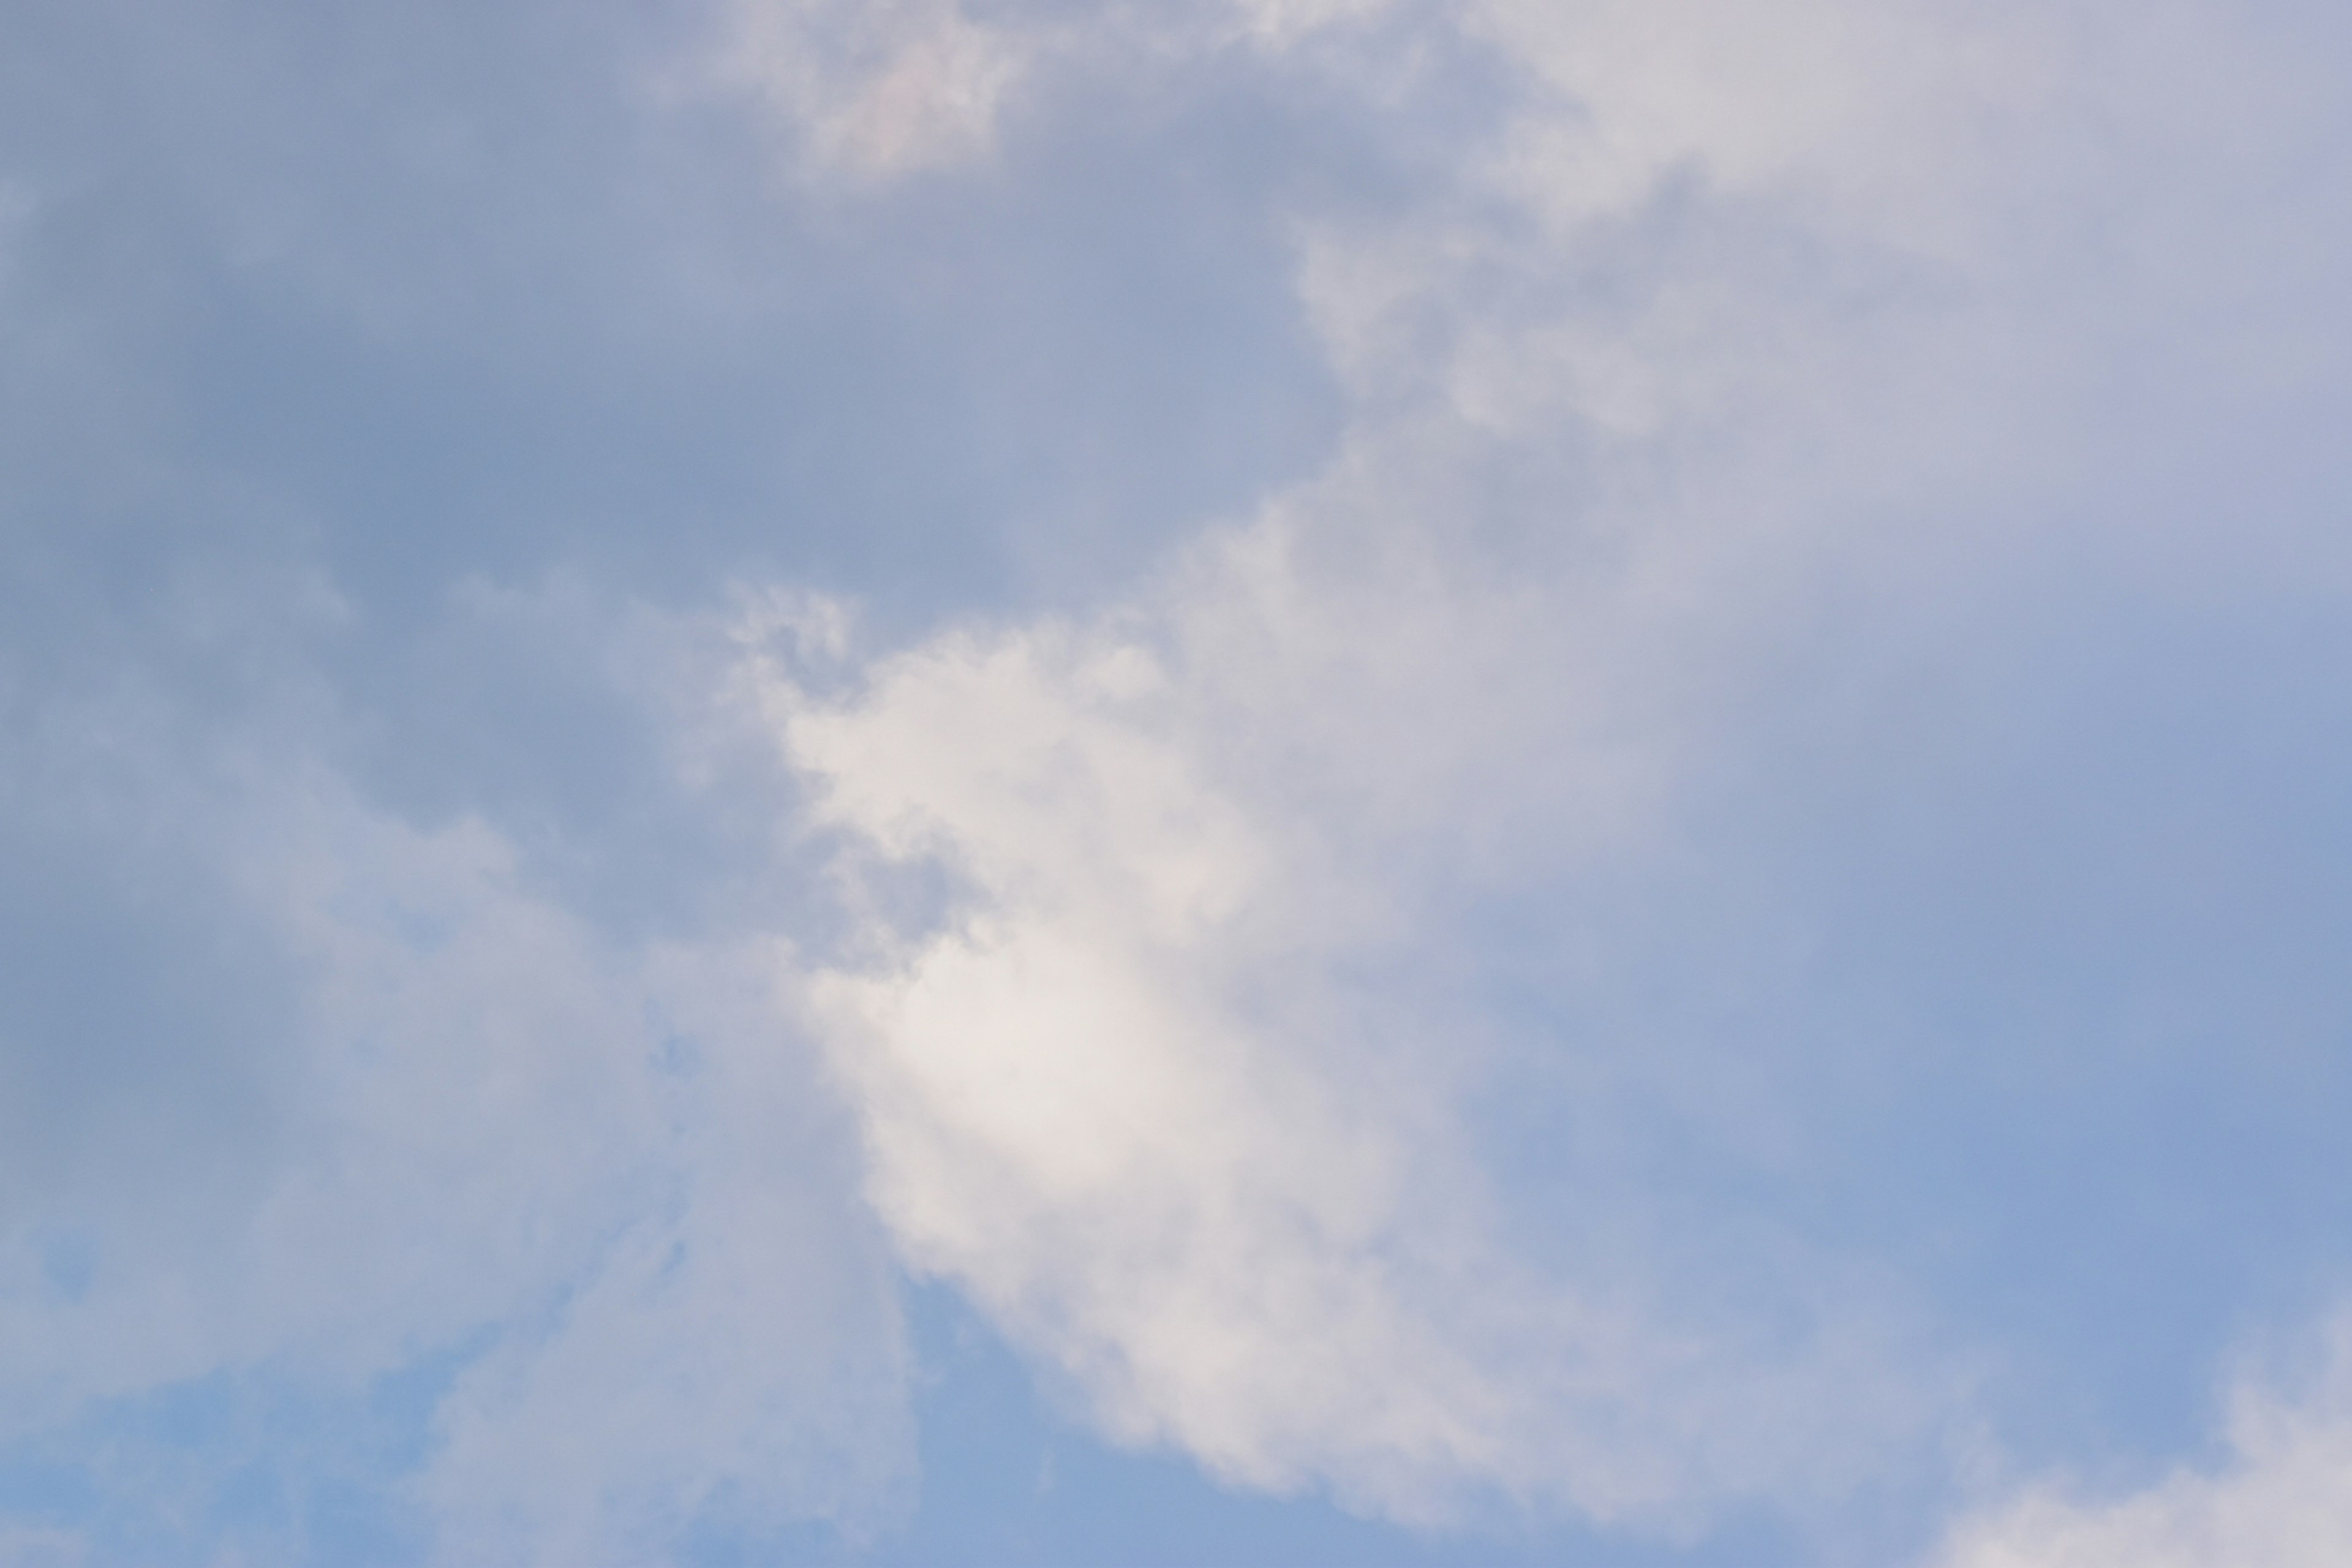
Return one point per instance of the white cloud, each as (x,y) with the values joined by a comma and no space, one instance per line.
(1165,1089)
(2282,1498)
(1174,1084)
(1160,1009)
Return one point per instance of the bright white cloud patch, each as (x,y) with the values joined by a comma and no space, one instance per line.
(1161,1087)
(2282,1498)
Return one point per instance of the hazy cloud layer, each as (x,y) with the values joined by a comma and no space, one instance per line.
(586,1177)
(1532,764)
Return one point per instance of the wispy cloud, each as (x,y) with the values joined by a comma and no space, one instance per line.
(2283,1496)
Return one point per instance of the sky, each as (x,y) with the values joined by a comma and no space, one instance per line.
(1240,781)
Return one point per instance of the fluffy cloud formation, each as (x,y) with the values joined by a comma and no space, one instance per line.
(1547,953)
(1148,1017)
(1156,1074)
(2282,1500)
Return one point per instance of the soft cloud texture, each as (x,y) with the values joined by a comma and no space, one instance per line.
(2282,1498)
(582,1177)
(878,91)
(1163,1084)
(1175,1083)
(1462,747)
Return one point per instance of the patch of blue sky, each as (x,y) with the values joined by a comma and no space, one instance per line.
(234,1462)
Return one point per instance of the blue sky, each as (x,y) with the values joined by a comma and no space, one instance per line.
(1244,780)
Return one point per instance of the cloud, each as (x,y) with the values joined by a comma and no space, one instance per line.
(871,94)
(2283,1498)
(1470,963)
(1168,998)
(580,1182)
(1167,1079)
(877,91)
